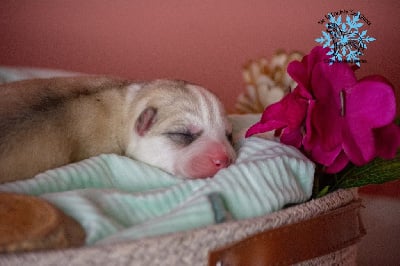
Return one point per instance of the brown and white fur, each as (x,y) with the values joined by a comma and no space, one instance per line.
(176,126)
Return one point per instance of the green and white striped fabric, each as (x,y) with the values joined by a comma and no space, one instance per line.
(116,198)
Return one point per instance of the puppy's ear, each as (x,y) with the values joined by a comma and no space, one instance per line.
(146,120)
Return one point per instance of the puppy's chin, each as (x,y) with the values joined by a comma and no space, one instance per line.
(197,175)
(194,174)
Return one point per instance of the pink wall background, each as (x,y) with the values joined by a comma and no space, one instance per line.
(205,42)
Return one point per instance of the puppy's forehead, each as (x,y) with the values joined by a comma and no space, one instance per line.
(206,105)
(189,103)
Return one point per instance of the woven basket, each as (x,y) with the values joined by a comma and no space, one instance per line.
(222,244)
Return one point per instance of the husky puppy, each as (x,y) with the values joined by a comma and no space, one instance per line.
(176,126)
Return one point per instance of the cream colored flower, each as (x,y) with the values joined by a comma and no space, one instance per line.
(266,82)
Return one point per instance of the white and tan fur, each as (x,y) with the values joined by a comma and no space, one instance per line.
(46,123)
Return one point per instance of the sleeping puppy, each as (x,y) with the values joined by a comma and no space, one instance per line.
(176,126)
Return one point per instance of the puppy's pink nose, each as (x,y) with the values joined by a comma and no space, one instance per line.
(221,161)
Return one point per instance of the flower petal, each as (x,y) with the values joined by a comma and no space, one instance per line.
(301,71)
(372,101)
(360,148)
(310,138)
(326,119)
(369,104)
(317,55)
(339,164)
(324,157)
(328,81)
(289,112)
(298,71)
(262,127)
(387,141)
(292,137)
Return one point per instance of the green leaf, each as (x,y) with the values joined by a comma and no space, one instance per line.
(323,192)
(376,172)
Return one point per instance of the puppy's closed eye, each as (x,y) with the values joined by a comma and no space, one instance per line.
(229,136)
(182,137)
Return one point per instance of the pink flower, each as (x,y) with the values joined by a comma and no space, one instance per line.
(286,116)
(333,117)
(345,113)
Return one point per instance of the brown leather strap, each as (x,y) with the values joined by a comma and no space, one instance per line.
(294,243)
